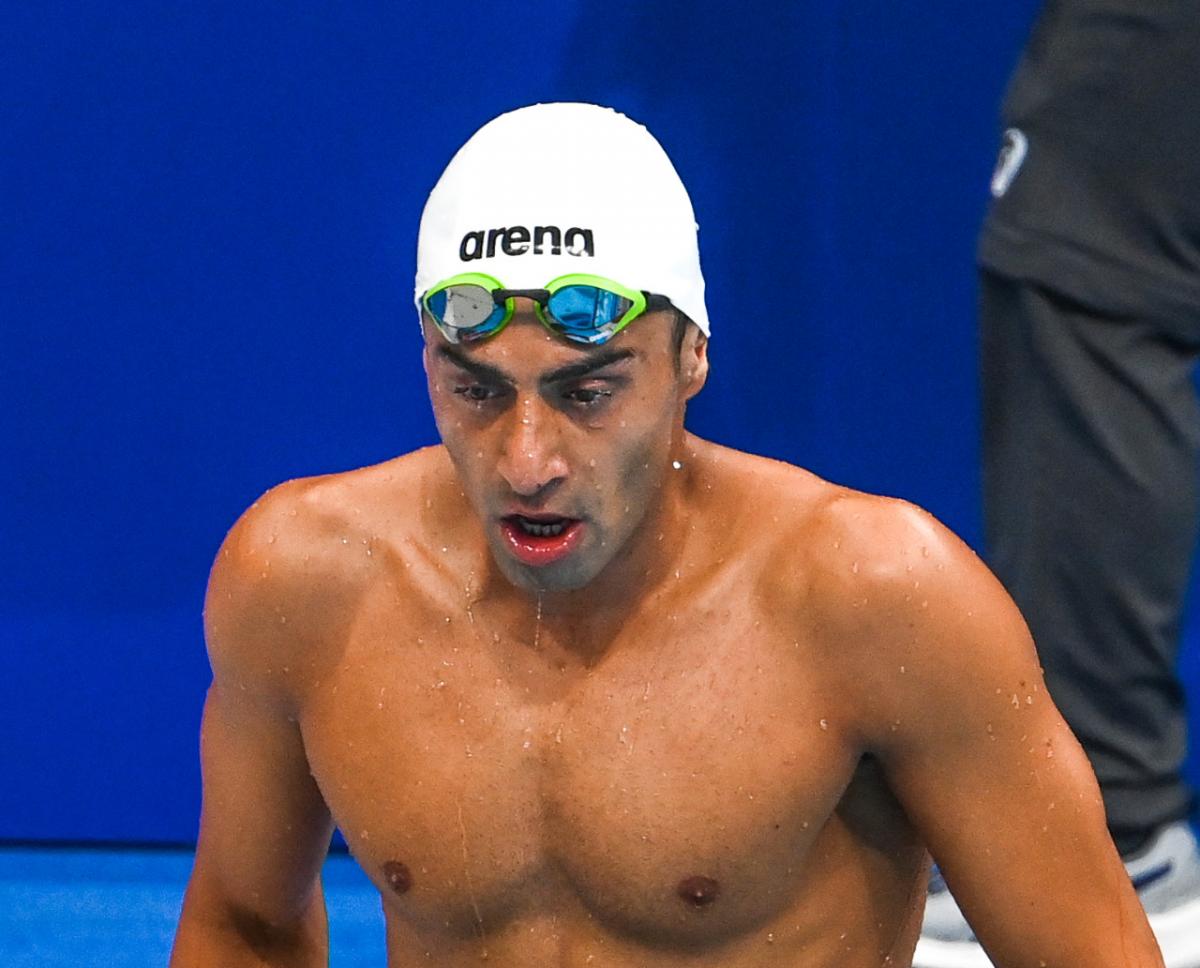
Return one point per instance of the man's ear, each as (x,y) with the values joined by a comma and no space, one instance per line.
(694,361)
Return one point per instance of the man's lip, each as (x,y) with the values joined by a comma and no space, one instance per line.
(537,550)
(539,517)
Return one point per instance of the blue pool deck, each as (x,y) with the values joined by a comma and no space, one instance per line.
(117,908)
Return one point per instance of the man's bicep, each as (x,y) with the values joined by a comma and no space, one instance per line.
(264,827)
(998,786)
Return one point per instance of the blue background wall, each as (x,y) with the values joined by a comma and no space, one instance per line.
(208,215)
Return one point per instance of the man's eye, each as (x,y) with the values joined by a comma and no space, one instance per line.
(477,393)
(588,396)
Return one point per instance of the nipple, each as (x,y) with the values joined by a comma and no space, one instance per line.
(698,891)
(398,876)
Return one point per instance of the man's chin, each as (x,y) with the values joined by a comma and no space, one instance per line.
(561,576)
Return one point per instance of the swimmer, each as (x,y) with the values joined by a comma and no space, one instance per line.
(581,688)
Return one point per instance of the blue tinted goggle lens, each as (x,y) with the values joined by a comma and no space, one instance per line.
(586,314)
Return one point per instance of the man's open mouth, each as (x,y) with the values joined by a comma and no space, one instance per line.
(543,528)
(541,539)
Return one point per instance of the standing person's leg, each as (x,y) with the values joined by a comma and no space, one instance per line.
(1091,434)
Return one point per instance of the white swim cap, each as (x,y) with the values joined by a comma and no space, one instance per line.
(554,189)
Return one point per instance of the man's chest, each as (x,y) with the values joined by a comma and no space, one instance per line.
(684,776)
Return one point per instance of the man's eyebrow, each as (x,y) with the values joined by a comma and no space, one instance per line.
(482,371)
(572,371)
(597,361)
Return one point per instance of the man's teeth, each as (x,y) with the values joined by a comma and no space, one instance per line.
(541,530)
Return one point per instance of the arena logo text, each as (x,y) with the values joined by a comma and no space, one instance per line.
(518,240)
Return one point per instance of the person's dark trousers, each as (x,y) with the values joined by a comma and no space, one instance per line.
(1090,436)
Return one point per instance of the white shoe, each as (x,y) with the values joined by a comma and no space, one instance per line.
(1165,874)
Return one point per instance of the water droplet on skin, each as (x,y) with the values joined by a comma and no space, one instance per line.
(825,724)
(924,552)
(770,937)
(537,629)
(854,568)
(678,465)
(592,462)
(903,669)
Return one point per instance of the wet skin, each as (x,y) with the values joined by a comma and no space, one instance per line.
(719,731)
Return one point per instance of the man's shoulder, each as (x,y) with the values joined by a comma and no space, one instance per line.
(851,560)
(294,522)
(825,525)
(294,563)
(889,587)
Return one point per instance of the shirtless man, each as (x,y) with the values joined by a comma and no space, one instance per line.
(582,689)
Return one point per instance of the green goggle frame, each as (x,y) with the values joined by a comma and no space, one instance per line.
(580,307)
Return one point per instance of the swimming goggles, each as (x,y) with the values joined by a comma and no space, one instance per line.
(582,308)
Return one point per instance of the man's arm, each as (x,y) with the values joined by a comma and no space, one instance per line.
(957,713)
(255,896)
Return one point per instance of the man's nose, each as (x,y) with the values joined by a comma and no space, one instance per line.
(531,460)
